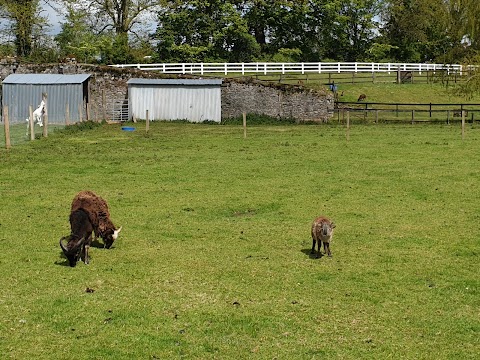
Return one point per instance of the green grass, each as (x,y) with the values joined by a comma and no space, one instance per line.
(213,260)
(383,89)
(19,136)
(434,93)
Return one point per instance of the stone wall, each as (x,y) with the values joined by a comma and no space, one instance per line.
(108,90)
(276,100)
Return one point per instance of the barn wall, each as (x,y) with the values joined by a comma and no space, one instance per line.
(175,102)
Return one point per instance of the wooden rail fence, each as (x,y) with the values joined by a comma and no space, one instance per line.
(406,112)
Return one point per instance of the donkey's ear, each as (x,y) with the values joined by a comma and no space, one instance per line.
(333,225)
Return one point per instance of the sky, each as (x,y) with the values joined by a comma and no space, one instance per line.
(53,18)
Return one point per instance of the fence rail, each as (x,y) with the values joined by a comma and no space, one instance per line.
(406,112)
(284,68)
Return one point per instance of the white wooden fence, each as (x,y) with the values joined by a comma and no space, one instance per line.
(284,68)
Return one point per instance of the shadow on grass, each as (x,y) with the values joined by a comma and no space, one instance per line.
(63,261)
(97,244)
(314,256)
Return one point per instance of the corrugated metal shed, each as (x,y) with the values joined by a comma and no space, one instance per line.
(22,90)
(194,100)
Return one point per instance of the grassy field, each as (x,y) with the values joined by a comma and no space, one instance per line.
(213,259)
(383,89)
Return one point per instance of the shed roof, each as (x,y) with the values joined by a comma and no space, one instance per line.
(45,79)
(173,82)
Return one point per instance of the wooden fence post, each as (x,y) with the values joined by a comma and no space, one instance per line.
(147,123)
(31,125)
(413,117)
(244,125)
(376,116)
(45,116)
(448,117)
(80,112)
(6,123)
(95,113)
(67,114)
(348,125)
(104,105)
(463,125)
(87,106)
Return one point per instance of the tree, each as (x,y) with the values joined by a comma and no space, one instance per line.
(281,25)
(108,28)
(358,23)
(193,31)
(76,38)
(24,22)
(318,29)
(416,29)
(120,16)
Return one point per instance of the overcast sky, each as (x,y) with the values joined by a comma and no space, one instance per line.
(53,19)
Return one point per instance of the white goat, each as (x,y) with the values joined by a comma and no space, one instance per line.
(37,115)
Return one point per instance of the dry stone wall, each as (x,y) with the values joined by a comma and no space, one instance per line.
(108,89)
(276,100)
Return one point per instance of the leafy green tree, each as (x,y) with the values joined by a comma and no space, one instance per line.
(463,26)
(119,16)
(357,18)
(105,31)
(464,30)
(337,29)
(301,25)
(288,26)
(76,39)
(192,31)
(24,22)
(325,30)
(256,14)
(416,29)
